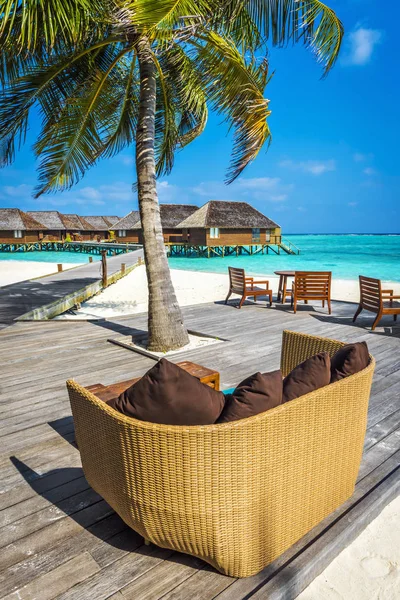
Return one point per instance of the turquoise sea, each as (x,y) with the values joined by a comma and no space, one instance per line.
(347,256)
(49,257)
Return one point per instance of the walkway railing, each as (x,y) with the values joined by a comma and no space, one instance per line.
(289,246)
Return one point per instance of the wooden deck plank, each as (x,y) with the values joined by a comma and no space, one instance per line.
(19,574)
(51,585)
(46,475)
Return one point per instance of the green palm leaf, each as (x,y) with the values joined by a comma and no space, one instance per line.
(310,21)
(32,23)
(69,146)
(235,89)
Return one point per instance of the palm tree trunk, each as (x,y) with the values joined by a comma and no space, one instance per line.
(165,322)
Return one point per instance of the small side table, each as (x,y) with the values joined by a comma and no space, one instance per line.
(108,392)
(282,287)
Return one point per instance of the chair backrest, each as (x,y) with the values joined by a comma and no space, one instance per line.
(313,283)
(370,293)
(236,280)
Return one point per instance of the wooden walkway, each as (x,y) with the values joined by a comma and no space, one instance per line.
(59,539)
(19,298)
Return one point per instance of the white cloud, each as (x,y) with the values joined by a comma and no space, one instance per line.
(370,171)
(360,157)
(279,198)
(90,193)
(118,191)
(17,191)
(257,183)
(271,189)
(314,167)
(360,45)
(168,192)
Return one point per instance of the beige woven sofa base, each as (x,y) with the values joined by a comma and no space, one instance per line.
(237,494)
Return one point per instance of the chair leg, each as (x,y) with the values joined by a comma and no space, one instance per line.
(375,323)
(323,303)
(242,299)
(270,299)
(295,305)
(359,309)
(394,317)
(146,542)
(228,296)
(329,307)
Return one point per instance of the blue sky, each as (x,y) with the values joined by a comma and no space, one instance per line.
(333,163)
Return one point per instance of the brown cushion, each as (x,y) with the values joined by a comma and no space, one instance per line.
(350,359)
(168,394)
(254,395)
(313,373)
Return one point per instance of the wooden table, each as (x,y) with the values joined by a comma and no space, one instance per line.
(108,392)
(283,276)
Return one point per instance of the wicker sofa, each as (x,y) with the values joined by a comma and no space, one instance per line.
(236,494)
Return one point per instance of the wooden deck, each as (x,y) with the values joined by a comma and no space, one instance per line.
(59,539)
(19,298)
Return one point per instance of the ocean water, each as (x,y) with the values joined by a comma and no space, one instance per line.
(347,256)
(49,257)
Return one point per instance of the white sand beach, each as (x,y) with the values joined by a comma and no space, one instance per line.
(368,569)
(12,271)
(129,295)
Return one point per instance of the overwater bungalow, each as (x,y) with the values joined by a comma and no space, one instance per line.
(223,223)
(98,226)
(54,226)
(58,225)
(18,226)
(129,228)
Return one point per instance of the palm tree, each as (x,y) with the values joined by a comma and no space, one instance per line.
(106,75)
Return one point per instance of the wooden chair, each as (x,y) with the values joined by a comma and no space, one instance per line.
(377,300)
(246,286)
(312,285)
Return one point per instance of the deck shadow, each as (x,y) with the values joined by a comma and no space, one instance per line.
(362,323)
(263,302)
(80,503)
(118,328)
(65,428)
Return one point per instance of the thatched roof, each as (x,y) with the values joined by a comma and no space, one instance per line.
(97,223)
(74,222)
(171,216)
(131,221)
(13,218)
(228,215)
(111,220)
(51,219)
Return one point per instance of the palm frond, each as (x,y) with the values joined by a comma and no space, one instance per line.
(30,25)
(235,88)
(168,13)
(187,97)
(73,143)
(124,115)
(310,21)
(58,76)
